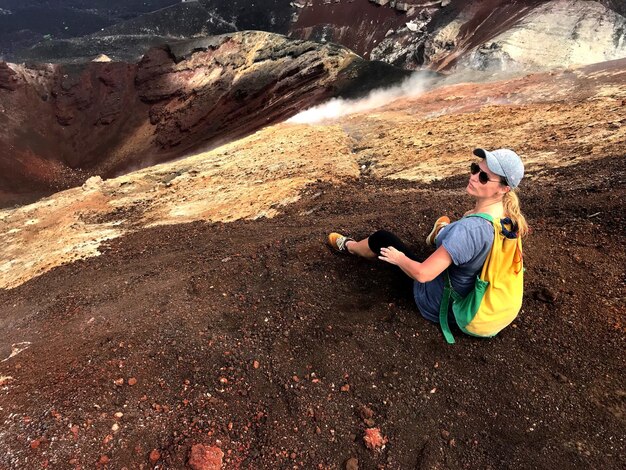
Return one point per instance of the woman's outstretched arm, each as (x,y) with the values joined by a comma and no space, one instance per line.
(434,265)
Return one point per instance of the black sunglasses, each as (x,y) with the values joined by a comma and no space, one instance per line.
(484,177)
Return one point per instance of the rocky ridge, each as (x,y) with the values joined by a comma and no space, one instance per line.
(493,35)
(103,118)
(554,34)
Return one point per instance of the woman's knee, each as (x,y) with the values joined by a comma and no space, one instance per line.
(381,235)
(380,239)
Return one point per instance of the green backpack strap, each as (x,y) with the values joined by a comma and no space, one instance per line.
(443,310)
(447,293)
(482,215)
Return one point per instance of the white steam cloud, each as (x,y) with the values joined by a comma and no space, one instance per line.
(413,86)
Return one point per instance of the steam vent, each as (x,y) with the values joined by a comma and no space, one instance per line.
(180,185)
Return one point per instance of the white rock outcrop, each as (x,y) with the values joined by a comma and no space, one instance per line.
(560,33)
(102,58)
(93,183)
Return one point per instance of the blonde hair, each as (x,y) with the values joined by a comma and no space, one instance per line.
(510,201)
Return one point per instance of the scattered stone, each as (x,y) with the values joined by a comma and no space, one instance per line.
(345,388)
(4,379)
(546,295)
(205,458)
(561,378)
(374,440)
(365,412)
(155,455)
(445,434)
(412,26)
(92,183)
(104,459)
(256,364)
(119,414)
(119,382)
(35,444)
(102,58)
(115,427)
(132,381)
(352,464)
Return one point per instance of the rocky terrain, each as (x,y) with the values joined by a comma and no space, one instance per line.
(494,34)
(104,118)
(167,297)
(490,35)
(24,23)
(138,105)
(190,312)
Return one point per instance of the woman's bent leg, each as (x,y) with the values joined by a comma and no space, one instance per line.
(370,247)
(360,248)
(384,239)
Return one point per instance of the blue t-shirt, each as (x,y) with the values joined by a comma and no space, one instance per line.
(468,241)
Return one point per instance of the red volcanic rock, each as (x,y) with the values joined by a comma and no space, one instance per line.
(155,455)
(352,464)
(374,439)
(359,27)
(205,458)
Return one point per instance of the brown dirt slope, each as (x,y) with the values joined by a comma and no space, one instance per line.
(188,309)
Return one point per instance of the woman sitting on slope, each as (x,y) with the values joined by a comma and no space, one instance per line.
(461,246)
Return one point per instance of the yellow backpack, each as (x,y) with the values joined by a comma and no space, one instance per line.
(496,298)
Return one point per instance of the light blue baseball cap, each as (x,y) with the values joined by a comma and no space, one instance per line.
(505,163)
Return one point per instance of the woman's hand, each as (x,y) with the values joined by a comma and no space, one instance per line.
(392,256)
